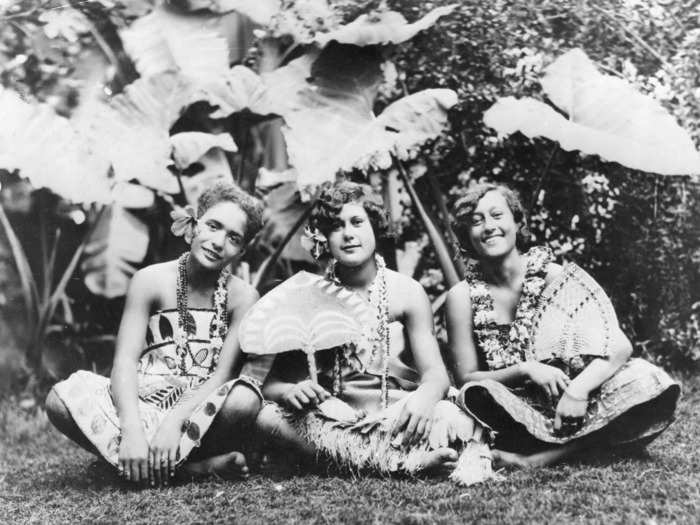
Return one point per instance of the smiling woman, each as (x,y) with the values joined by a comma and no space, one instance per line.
(175,393)
(537,349)
(391,381)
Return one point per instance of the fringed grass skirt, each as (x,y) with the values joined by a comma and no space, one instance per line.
(367,444)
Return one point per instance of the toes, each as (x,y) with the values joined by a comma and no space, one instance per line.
(446,455)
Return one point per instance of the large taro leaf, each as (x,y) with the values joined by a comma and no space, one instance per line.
(607,117)
(133,129)
(387,27)
(48,151)
(240,88)
(326,102)
(166,40)
(118,241)
(353,138)
(215,168)
(190,146)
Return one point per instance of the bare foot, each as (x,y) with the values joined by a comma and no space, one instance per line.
(545,458)
(475,465)
(439,462)
(228,466)
(509,460)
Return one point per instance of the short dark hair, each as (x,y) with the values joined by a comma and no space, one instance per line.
(333,197)
(229,192)
(465,206)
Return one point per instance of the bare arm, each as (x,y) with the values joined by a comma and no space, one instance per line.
(132,331)
(418,317)
(462,346)
(600,370)
(133,447)
(288,384)
(416,418)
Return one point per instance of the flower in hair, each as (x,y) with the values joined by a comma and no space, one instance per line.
(184,220)
(314,242)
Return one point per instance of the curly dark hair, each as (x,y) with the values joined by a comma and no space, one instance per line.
(333,197)
(229,192)
(465,206)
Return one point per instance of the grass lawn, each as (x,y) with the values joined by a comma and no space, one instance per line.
(46,479)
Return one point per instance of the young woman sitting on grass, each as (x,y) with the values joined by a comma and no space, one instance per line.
(397,390)
(171,402)
(549,379)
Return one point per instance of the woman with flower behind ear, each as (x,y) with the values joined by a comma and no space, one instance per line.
(537,349)
(171,402)
(392,380)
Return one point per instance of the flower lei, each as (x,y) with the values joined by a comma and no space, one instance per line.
(519,335)
(380,338)
(219,324)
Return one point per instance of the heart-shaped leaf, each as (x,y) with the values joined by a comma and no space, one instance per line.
(606,117)
(190,146)
(118,241)
(33,137)
(387,27)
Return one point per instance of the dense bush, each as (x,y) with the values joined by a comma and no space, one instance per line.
(638,234)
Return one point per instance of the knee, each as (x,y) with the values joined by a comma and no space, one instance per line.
(241,405)
(270,421)
(56,409)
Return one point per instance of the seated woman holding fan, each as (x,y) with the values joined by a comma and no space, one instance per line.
(174,393)
(537,349)
(373,404)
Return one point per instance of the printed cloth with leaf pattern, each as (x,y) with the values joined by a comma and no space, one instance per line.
(163,377)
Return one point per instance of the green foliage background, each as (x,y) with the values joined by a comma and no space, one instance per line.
(638,234)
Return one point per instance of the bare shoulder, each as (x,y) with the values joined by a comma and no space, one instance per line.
(458,295)
(150,284)
(405,286)
(241,293)
(155,276)
(553,271)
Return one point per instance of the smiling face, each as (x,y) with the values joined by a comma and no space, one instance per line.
(219,235)
(352,241)
(492,227)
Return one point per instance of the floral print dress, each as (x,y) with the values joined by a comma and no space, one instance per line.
(163,377)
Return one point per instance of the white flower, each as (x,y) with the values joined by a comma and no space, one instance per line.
(479,290)
(490,346)
(481,318)
(530,287)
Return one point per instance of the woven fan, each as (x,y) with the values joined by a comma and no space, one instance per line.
(306,312)
(575,318)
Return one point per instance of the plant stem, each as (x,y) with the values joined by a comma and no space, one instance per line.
(24,271)
(542,178)
(48,308)
(638,39)
(441,250)
(451,236)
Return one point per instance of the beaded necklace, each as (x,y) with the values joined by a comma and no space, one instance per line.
(185,321)
(520,331)
(378,297)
